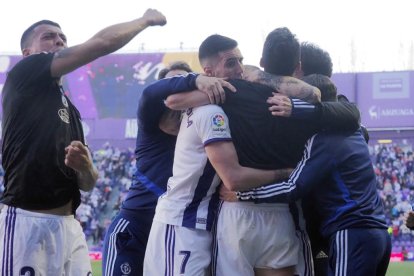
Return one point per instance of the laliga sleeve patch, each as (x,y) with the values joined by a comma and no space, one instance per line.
(219,125)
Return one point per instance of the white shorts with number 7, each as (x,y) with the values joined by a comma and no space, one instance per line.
(176,250)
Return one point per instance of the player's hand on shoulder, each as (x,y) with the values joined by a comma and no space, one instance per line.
(280,105)
(214,88)
(226,194)
(154,18)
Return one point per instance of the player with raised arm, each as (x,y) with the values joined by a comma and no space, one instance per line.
(45,157)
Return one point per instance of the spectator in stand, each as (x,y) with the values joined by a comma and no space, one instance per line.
(109,181)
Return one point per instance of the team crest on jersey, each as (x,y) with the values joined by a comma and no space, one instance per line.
(64,115)
(125,268)
(64,101)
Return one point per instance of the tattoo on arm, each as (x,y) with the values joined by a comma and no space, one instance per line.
(290,87)
(308,95)
(270,80)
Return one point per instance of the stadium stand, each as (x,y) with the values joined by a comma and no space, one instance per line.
(393,165)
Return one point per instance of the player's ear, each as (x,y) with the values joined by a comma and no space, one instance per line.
(26,52)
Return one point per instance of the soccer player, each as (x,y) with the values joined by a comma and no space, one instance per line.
(45,158)
(187,209)
(315,60)
(336,169)
(180,239)
(251,113)
(126,238)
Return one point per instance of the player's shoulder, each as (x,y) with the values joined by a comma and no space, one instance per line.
(207,113)
(241,84)
(32,62)
(339,142)
(209,108)
(35,57)
(246,90)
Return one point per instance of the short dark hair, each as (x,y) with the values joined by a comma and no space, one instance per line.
(215,44)
(325,85)
(27,34)
(281,52)
(315,60)
(178,65)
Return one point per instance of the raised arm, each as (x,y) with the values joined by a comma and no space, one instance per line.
(285,85)
(104,42)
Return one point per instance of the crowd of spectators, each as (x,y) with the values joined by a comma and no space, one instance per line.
(394,168)
(115,168)
(393,165)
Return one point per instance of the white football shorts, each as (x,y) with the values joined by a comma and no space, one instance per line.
(252,236)
(176,250)
(41,244)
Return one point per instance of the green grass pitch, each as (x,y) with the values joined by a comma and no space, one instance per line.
(394,269)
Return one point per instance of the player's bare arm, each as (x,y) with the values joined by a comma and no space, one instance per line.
(235,177)
(104,42)
(182,101)
(78,157)
(285,85)
(210,91)
(227,195)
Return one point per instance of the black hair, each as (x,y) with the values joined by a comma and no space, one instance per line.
(325,85)
(281,52)
(27,34)
(178,65)
(214,44)
(315,60)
